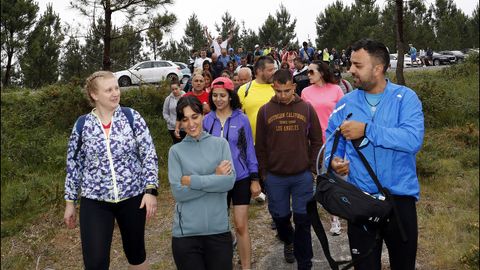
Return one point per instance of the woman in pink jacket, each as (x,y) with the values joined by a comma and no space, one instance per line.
(323,94)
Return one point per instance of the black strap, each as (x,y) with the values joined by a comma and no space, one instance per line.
(385,193)
(322,237)
(320,232)
(371,172)
(336,139)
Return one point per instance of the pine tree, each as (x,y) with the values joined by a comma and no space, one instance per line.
(248,39)
(278,31)
(93,50)
(40,62)
(158,26)
(126,48)
(72,64)
(175,51)
(450,24)
(194,36)
(229,25)
(286,27)
(332,26)
(17,17)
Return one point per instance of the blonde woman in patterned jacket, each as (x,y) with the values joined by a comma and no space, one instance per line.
(112,166)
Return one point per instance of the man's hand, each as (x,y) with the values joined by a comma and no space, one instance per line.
(340,166)
(352,130)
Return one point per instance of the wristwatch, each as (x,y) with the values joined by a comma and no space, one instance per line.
(151,191)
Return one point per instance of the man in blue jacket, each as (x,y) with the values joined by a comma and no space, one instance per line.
(387,124)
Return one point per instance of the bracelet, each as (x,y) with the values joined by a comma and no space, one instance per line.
(151,191)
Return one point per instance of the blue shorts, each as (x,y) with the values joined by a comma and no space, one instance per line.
(280,188)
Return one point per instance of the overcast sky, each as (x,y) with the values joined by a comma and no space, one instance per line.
(253,12)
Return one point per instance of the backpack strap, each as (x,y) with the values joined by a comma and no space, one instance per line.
(79,128)
(81,123)
(246,88)
(129,114)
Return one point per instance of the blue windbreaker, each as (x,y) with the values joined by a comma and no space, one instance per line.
(238,133)
(395,135)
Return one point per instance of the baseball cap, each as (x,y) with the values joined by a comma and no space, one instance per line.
(256,46)
(222,82)
(230,49)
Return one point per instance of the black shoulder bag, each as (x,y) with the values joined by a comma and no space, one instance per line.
(343,199)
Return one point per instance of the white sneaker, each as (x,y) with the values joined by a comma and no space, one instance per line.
(261,197)
(336,228)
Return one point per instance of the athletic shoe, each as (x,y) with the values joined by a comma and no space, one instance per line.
(336,228)
(260,198)
(288,253)
(273,226)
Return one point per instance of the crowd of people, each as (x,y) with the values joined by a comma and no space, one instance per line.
(244,131)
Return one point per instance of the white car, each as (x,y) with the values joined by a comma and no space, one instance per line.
(149,72)
(184,69)
(407,62)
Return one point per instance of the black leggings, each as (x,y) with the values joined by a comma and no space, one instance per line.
(97,221)
(402,254)
(205,252)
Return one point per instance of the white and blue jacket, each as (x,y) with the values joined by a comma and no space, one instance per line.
(111,169)
(395,135)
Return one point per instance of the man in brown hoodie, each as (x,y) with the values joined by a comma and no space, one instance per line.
(288,138)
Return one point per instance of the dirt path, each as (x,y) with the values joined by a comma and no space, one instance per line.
(48,245)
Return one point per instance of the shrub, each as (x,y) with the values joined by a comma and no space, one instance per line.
(35,130)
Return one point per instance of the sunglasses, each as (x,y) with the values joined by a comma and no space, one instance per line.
(311,72)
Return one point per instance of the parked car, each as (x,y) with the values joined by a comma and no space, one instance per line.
(407,62)
(149,72)
(458,54)
(443,59)
(184,69)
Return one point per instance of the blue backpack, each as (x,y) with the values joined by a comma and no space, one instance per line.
(81,122)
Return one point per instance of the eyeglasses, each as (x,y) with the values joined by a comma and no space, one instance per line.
(311,72)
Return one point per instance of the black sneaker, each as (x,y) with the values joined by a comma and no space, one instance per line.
(288,253)
(273,226)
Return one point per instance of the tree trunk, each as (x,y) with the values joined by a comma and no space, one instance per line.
(6,79)
(399,37)
(107,38)
(155,50)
